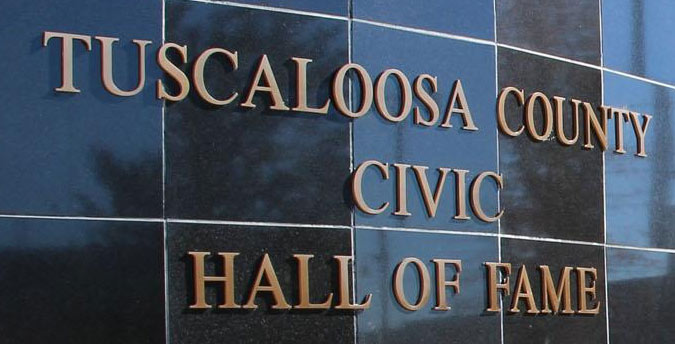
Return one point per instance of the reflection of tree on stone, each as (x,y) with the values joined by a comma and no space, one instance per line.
(235,163)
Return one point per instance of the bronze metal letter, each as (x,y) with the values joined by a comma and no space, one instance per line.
(494,286)
(200,280)
(265,71)
(266,269)
(343,280)
(301,88)
(399,293)
(357,190)
(475,195)
(107,66)
(458,97)
(523,289)
(501,115)
(366,90)
(427,100)
(441,283)
(555,296)
(583,290)
(67,57)
(303,285)
(406,95)
(168,67)
(198,75)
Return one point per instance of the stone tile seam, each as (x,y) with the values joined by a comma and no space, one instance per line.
(499,197)
(326,226)
(274,9)
(604,173)
(438,34)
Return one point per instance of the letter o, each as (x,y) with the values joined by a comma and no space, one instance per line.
(424,284)
(366,90)
(406,95)
(529,116)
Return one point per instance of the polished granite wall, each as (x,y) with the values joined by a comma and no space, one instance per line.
(103,196)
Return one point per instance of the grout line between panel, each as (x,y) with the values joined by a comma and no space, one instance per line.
(80,218)
(351,167)
(636,248)
(643,79)
(425,32)
(436,34)
(253,223)
(604,175)
(305,225)
(164,224)
(499,221)
(422,230)
(273,9)
(553,57)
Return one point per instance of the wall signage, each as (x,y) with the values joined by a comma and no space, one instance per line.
(589,126)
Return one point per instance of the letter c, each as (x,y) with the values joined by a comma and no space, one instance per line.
(357,192)
(501,116)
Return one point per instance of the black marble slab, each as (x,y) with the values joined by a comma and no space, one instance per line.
(551,190)
(263,325)
(70,281)
(568,28)
(640,301)
(548,328)
(377,255)
(233,163)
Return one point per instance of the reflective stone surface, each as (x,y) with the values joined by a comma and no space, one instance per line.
(636,37)
(551,190)
(462,17)
(263,325)
(67,281)
(232,163)
(640,197)
(567,28)
(519,327)
(377,255)
(377,49)
(336,7)
(640,298)
(90,153)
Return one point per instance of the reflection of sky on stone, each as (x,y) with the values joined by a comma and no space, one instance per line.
(375,138)
(379,252)
(630,265)
(473,18)
(51,138)
(640,197)
(626,52)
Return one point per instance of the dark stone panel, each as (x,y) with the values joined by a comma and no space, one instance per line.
(641,303)
(335,7)
(551,190)
(377,255)
(636,36)
(89,153)
(547,328)
(473,18)
(262,325)
(568,28)
(640,200)
(67,281)
(376,138)
(232,163)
